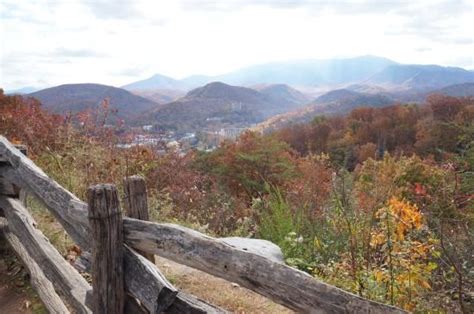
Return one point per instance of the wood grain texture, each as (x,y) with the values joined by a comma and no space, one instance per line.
(6,187)
(68,283)
(39,282)
(189,304)
(136,203)
(22,148)
(159,293)
(131,306)
(105,219)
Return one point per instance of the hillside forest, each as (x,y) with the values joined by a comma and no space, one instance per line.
(379,201)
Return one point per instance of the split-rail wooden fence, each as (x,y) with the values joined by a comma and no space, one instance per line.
(118,253)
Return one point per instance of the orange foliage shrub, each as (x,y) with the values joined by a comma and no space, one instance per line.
(23,121)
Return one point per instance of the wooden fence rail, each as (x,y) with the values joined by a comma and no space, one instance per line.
(141,278)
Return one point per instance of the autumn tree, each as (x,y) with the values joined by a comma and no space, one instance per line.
(245,166)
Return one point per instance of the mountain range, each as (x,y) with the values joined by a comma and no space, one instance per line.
(281,92)
(370,70)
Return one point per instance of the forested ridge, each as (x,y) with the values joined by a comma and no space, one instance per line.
(378,202)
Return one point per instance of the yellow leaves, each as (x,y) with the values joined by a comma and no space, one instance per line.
(377,239)
(401,232)
(431,266)
(424,284)
(401,261)
(317,243)
(408,215)
(404,217)
(397,220)
(436,254)
(379,276)
(420,249)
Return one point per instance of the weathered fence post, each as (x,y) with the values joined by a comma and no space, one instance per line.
(105,219)
(7,188)
(23,196)
(136,203)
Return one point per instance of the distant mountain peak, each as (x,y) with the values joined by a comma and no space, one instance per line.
(225,91)
(216,85)
(276,86)
(158,75)
(156,81)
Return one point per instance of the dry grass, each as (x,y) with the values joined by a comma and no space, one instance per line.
(217,291)
(49,226)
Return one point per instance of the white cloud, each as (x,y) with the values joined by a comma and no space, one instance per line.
(116,42)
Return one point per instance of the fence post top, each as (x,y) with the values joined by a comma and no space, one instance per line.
(135,177)
(102,186)
(103,201)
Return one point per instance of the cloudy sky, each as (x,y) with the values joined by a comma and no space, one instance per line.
(46,43)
